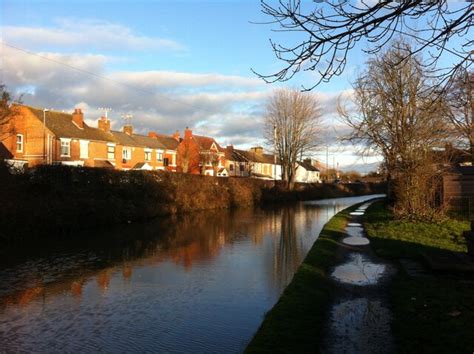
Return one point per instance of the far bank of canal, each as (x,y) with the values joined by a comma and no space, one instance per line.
(192,283)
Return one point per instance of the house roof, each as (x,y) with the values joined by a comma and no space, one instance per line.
(61,125)
(254,157)
(205,143)
(308,166)
(232,154)
(167,141)
(148,142)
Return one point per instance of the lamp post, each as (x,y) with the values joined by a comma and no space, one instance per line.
(44,134)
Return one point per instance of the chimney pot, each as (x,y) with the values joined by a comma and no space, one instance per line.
(128,129)
(78,117)
(104,124)
(188,133)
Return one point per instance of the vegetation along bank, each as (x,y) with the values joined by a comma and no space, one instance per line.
(60,199)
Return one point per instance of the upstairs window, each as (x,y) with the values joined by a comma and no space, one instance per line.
(166,161)
(110,152)
(19,142)
(127,153)
(159,155)
(147,155)
(84,149)
(65,147)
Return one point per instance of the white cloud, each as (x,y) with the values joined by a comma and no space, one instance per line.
(86,35)
(228,107)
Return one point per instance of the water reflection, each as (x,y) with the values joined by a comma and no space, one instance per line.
(198,282)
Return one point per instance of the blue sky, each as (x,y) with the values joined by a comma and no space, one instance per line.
(182,63)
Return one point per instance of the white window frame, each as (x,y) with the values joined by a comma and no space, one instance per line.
(127,153)
(173,158)
(20,142)
(159,155)
(84,149)
(65,143)
(148,151)
(109,145)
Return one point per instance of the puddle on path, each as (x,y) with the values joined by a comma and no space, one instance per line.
(354,224)
(359,326)
(356,241)
(357,213)
(359,271)
(355,231)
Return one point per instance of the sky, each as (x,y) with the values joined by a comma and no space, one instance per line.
(171,64)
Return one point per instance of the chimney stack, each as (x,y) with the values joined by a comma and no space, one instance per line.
(104,124)
(128,129)
(152,135)
(78,118)
(176,135)
(257,149)
(230,147)
(188,133)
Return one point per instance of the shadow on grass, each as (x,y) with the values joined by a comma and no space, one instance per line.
(433,313)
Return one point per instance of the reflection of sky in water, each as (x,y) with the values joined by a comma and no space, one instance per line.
(358,271)
(199,282)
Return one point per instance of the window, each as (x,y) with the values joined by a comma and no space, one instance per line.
(65,147)
(19,142)
(165,161)
(147,155)
(126,153)
(231,167)
(159,155)
(111,152)
(84,152)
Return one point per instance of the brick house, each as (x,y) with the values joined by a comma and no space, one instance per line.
(63,138)
(201,155)
(33,136)
(252,163)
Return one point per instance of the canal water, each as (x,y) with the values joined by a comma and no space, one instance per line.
(195,283)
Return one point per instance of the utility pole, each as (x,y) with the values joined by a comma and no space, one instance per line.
(327,162)
(274,155)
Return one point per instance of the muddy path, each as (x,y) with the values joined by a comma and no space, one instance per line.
(360,316)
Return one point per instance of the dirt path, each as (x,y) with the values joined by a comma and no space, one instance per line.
(360,316)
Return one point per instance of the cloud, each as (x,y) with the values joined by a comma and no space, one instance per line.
(228,107)
(86,35)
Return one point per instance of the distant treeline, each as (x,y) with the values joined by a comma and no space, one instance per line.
(58,200)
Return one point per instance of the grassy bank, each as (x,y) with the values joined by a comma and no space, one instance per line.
(58,200)
(433,313)
(295,323)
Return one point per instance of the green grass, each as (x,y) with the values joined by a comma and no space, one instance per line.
(402,239)
(295,323)
(433,314)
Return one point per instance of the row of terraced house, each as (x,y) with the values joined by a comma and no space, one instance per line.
(35,136)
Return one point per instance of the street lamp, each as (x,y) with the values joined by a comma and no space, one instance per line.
(44,134)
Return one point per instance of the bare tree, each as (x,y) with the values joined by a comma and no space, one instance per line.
(461,103)
(396,116)
(332,29)
(292,125)
(210,158)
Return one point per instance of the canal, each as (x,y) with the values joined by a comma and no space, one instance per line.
(193,283)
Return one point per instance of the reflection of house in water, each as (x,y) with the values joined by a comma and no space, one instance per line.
(185,240)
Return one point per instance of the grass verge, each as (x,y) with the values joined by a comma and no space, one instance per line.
(432,314)
(295,323)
